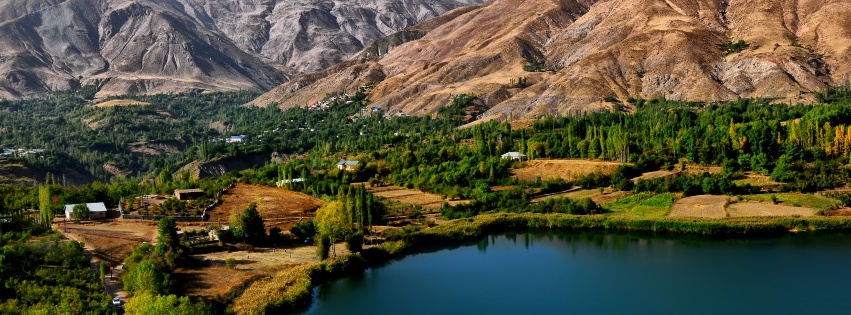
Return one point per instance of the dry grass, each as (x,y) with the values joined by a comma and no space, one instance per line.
(520,124)
(278,207)
(218,279)
(114,103)
(112,241)
(207,282)
(764,209)
(600,198)
(564,169)
(412,197)
(705,206)
(757,180)
(267,260)
(655,174)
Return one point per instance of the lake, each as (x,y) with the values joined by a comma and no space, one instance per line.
(605,273)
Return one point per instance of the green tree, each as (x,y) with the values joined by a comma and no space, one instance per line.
(147,277)
(80,211)
(151,303)
(45,205)
(249,225)
(333,221)
(168,249)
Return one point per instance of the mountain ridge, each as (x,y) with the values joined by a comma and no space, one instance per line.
(601,54)
(166,46)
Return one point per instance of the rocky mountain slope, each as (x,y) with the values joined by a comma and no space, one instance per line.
(593,54)
(154,46)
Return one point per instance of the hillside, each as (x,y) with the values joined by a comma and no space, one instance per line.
(164,46)
(597,54)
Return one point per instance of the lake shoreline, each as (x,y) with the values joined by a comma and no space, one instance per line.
(291,290)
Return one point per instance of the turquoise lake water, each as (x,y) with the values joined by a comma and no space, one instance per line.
(600,273)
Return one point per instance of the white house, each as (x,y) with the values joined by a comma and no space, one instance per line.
(345,165)
(235,139)
(97,210)
(514,156)
(287,181)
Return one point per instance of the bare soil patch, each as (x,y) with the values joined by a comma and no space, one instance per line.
(564,169)
(704,206)
(114,103)
(764,209)
(278,207)
(111,241)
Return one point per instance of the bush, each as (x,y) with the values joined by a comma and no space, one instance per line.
(355,243)
(323,247)
(230,263)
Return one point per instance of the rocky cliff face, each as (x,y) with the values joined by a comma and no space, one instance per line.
(595,53)
(155,46)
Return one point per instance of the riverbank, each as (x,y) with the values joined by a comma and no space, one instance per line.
(291,289)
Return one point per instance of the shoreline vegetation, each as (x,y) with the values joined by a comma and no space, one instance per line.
(292,289)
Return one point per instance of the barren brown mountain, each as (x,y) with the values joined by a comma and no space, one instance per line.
(597,53)
(152,46)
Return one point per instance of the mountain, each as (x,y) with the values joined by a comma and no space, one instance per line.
(595,54)
(158,46)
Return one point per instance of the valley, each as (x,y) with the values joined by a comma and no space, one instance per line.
(243,157)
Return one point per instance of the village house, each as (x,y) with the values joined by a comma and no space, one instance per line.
(281,183)
(188,194)
(235,139)
(345,165)
(514,156)
(97,210)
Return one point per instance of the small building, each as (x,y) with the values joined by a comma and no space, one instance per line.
(188,194)
(235,139)
(514,156)
(345,165)
(214,233)
(281,183)
(97,210)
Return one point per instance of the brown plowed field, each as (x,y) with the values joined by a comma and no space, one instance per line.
(564,169)
(279,207)
(705,206)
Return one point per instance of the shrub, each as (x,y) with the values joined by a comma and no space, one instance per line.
(230,263)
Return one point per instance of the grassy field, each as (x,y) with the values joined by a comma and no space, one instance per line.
(601,198)
(797,200)
(756,180)
(643,204)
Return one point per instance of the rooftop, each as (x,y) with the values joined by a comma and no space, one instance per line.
(93,207)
